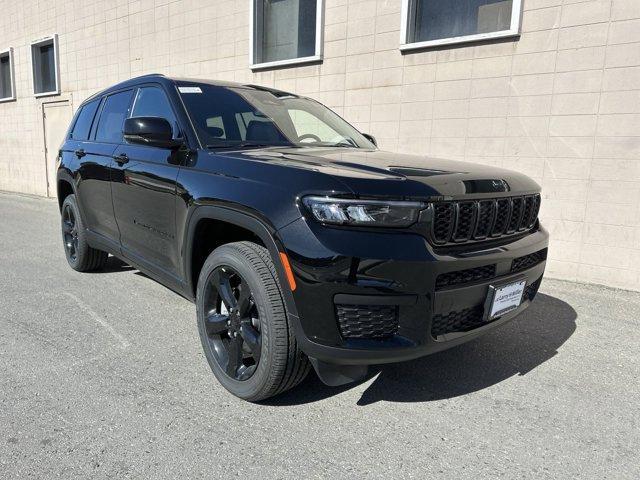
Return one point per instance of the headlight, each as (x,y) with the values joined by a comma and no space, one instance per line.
(374,213)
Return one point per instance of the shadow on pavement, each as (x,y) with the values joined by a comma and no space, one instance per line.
(516,348)
(114,265)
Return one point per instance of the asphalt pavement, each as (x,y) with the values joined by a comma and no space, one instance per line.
(102,376)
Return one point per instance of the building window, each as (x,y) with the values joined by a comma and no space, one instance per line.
(7,78)
(44,60)
(285,32)
(427,23)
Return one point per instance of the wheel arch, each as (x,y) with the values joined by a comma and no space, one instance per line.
(65,187)
(252,223)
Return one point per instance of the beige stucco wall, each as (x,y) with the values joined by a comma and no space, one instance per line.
(561,104)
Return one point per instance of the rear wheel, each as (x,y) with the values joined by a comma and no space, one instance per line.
(80,255)
(243,325)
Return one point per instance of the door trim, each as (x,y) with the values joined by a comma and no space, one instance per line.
(51,189)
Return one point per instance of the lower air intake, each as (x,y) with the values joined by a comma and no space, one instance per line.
(462,277)
(522,263)
(471,318)
(458,321)
(374,322)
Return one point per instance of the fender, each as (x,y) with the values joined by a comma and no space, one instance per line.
(264,231)
(65,174)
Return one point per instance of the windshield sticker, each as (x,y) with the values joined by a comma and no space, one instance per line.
(189,90)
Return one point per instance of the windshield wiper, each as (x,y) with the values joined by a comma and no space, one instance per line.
(240,145)
(343,145)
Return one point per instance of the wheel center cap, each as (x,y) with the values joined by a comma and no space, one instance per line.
(234,318)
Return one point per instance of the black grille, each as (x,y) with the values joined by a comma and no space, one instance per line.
(503,208)
(465,221)
(443,222)
(528,261)
(531,208)
(527,211)
(531,290)
(465,276)
(515,221)
(486,213)
(367,321)
(473,317)
(459,321)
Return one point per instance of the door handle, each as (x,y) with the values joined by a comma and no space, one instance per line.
(80,153)
(121,159)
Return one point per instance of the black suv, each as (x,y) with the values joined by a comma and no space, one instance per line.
(300,242)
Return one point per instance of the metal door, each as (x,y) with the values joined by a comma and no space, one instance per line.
(57,116)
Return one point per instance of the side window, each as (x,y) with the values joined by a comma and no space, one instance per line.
(115,110)
(83,123)
(152,102)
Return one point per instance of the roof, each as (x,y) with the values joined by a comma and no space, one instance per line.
(160,78)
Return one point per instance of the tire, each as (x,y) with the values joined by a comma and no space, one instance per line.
(80,255)
(280,364)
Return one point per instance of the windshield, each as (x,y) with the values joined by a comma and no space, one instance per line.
(228,117)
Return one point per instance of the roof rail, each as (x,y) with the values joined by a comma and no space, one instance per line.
(148,75)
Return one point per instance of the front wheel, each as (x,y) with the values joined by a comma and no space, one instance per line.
(243,324)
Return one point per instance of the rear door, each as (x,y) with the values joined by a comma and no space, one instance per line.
(90,167)
(95,156)
(144,190)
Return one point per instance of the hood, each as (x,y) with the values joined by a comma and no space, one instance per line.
(375,173)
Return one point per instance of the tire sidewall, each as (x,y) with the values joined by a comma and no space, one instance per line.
(70,201)
(254,386)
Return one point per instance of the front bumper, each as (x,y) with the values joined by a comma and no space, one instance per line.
(400,270)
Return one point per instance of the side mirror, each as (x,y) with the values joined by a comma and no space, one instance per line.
(151,131)
(371,138)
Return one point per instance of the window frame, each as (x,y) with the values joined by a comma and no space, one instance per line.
(177,135)
(408,11)
(93,134)
(319,46)
(77,117)
(12,75)
(56,60)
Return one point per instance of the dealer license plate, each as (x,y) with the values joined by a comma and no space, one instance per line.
(505,298)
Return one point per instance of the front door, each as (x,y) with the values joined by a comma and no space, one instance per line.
(143,184)
(57,116)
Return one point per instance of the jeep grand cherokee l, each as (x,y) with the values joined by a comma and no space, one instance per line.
(300,242)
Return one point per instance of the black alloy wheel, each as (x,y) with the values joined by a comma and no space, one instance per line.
(243,323)
(232,323)
(80,256)
(70,232)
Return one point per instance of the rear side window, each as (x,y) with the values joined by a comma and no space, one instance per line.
(115,110)
(82,126)
(152,102)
